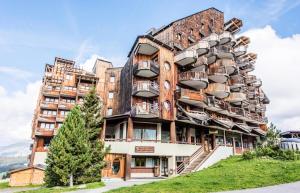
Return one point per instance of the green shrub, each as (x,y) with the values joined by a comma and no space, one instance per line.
(272,152)
(249,155)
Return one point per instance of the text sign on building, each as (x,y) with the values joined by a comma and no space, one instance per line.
(144,149)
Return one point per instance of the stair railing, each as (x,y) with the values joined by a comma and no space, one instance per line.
(185,163)
(206,157)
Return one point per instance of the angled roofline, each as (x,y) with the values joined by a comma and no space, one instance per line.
(150,38)
(165,27)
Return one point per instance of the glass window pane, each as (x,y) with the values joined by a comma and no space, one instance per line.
(149,134)
(137,133)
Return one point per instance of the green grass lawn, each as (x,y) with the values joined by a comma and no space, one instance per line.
(4,185)
(64,189)
(230,174)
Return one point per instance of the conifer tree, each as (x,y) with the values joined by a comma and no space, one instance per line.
(69,152)
(91,111)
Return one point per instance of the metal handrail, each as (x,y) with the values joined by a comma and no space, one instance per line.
(192,75)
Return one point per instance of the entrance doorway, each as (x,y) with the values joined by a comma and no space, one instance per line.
(164,166)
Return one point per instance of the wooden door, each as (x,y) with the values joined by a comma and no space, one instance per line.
(115,166)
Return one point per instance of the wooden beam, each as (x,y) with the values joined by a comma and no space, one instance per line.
(173,132)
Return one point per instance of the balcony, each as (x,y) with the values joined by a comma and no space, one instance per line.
(236,82)
(69,93)
(146,49)
(186,57)
(145,89)
(234,25)
(43,132)
(226,37)
(218,90)
(242,40)
(222,52)
(217,74)
(202,47)
(237,112)
(66,106)
(194,79)
(213,39)
(257,83)
(60,118)
(240,50)
(214,104)
(229,65)
(82,92)
(48,105)
(250,79)
(146,69)
(50,92)
(236,97)
(145,110)
(199,115)
(247,67)
(196,98)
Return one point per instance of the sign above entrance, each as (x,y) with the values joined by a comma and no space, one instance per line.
(144,149)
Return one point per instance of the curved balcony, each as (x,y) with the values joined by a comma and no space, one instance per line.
(240,50)
(196,98)
(226,37)
(213,39)
(218,90)
(145,89)
(202,47)
(220,53)
(146,49)
(248,67)
(49,105)
(214,104)
(229,65)
(236,81)
(237,112)
(233,25)
(236,97)
(194,79)
(257,83)
(186,57)
(146,69)
(145,110)
(218,74)
(250,79)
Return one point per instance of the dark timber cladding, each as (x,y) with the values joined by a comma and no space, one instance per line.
(185,90)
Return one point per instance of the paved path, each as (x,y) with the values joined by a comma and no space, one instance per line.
(110,185)
(283,188)
(12,190)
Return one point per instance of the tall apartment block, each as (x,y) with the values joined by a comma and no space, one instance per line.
(185,98)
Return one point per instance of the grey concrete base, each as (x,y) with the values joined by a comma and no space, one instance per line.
(282,188)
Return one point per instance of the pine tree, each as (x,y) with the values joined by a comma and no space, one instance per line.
(69,152)
(91,110)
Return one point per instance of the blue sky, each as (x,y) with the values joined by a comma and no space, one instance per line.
(33,32)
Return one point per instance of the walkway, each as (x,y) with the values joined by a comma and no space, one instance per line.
(283,188)
(114,184)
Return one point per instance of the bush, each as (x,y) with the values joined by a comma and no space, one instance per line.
(272,152)
(249,155)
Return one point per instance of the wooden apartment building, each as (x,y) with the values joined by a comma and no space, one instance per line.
(186,92)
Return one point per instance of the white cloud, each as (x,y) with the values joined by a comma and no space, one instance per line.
(17,110)
(89,63)
(278,65)
(15,72)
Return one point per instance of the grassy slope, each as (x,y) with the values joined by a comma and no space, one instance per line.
(230,174)
(4,185)
(65,189)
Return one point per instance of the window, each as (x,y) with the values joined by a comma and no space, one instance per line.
(116,166)
(144,134)
(178,36)
(167,105)
(49,126)
(51,100)
(167,66)
(67,100)
(110,95)
(59,125)
(64,113)
(191,31)
(140,162)
(112,79)
(167,85)
(68,77)
(69,88)
(48,112)
(109,111)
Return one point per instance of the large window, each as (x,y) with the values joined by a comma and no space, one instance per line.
(140,162)
(109,111)
(144,134)
(49,126)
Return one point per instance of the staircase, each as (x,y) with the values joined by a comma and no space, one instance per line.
(195,161)
(193,165)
